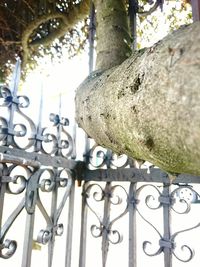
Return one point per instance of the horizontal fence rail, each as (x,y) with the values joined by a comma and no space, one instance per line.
(143,192)
(124,212)
(35,162)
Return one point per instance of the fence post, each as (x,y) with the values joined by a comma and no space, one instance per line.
(167,225)
(83,234)
(132,226)
(70,226)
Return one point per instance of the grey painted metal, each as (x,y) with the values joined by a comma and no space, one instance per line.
(32,169)
(2,195)
(28,240)
(50,170)
(34,159)
(106,224)
(70,225)
(152,175)
(132,226)
(133,21)
(83,233)
(52,216)
(167,245)
(104,228)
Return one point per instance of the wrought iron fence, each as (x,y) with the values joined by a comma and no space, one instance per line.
(130,213)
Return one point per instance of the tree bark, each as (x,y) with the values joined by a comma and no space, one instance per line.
(113,39)
(149,106)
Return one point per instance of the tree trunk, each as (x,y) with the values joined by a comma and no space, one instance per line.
(113,39)
(149,106)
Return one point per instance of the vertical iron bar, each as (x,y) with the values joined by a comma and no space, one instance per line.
(14,84)
(167,226)
(2,195)
(91,36)
(28,240)
(106,222)
(195,10)
(39,122)
(53,214)
(59,128)
(73,156)
(83,235)
(70,226)
(132,226)
(133,5)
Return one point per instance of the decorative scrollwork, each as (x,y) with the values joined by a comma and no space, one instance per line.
(99,194)
(115,237)
(183,197)
(152,202)
(59,229)
(55,118)
(5,96)
(8,248)
(19,131)
(185,249)
(96,231)
(44,236)
(119,161)
(47,184)
(148,243)
(100,157)
(18,180)
(11,130)
(153,5)
(97,156)
(20,174)
(56,140)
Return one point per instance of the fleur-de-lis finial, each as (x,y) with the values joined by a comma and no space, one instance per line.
(14,83)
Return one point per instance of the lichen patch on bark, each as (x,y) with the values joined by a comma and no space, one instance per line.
(148,107)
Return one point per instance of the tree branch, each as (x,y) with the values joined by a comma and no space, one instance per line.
(150,11)
(149,106)
(113,39)
(68,20)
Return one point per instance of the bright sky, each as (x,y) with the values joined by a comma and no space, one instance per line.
(54,78)
(63,78)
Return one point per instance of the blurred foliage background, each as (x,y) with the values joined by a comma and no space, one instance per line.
(31,29)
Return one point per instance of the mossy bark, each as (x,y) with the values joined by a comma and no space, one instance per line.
(149,106)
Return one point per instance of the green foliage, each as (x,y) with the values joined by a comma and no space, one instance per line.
(154,27)
(31,29)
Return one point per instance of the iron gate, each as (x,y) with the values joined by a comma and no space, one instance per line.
(40,177)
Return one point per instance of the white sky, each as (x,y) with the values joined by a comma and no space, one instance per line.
(55,79)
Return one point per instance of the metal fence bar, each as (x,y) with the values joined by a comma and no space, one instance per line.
(2,196)
(152,175)
(70,217)
(106,223)
(167,246)
(104,169)
(28,240)
(52,216)
(132,226)
(83,234)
